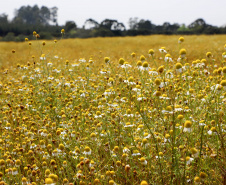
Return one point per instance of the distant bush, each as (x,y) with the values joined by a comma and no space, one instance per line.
(45,35)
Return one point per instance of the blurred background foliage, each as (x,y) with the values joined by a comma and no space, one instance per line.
(44,21)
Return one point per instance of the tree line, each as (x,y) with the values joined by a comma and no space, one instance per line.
(44,21)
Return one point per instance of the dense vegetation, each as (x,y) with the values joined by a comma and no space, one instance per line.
(44,21)
(113,111)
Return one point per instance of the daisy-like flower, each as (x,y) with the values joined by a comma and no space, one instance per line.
(178,108)
(82,60)
(142,58)
(49,64)
(37,70)
(14,171)
(151,52)
(121,61)
(169,74)
(200,65)
(8,126)
(216,87)
(136,153)
(168,58)
(111,182)
(78,174)
(178,67)
(128,113)
(183,53)
(197,180)
(153,73)
(212,130)
(187,126)
(162,50)
(126,65)
(62,31)
(33,146)
(108,92)
(223,84)
(133,55)
(18,163)
(189,160)
(147,136)
(91,164)
(43,57)
(139,65)
(194,152)
(186,109)
(87,151)
(113,155)
(167,138)
(128,124)
(107,60)
(93,136)
(137,89)
(165,97)
(143,161)
(98,115)
(202,175)
(168,110)
(127,168)
(163,84)
(24,181)
(99,127)
(202,122)
(159,156)
(143,182)
(75,65)
(145,143)
(49,181)
(141,97)
(130,81)
(145,66)
(126,150)
(180,40)
(104,71)
(224,55)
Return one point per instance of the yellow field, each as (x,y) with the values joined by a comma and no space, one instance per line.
(72,49)
(133,110)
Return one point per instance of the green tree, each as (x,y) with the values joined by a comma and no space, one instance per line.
(198,26)
(35,15)
(144,25)
(4,24)
(70,25)
(111,24)
(91,24)
(133,23)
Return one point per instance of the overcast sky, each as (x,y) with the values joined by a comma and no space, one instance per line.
(158,11)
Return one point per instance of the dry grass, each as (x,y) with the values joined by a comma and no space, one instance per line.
(115,47)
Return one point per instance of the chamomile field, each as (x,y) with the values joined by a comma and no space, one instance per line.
(143,110)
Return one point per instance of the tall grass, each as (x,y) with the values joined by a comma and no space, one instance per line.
(112,111)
